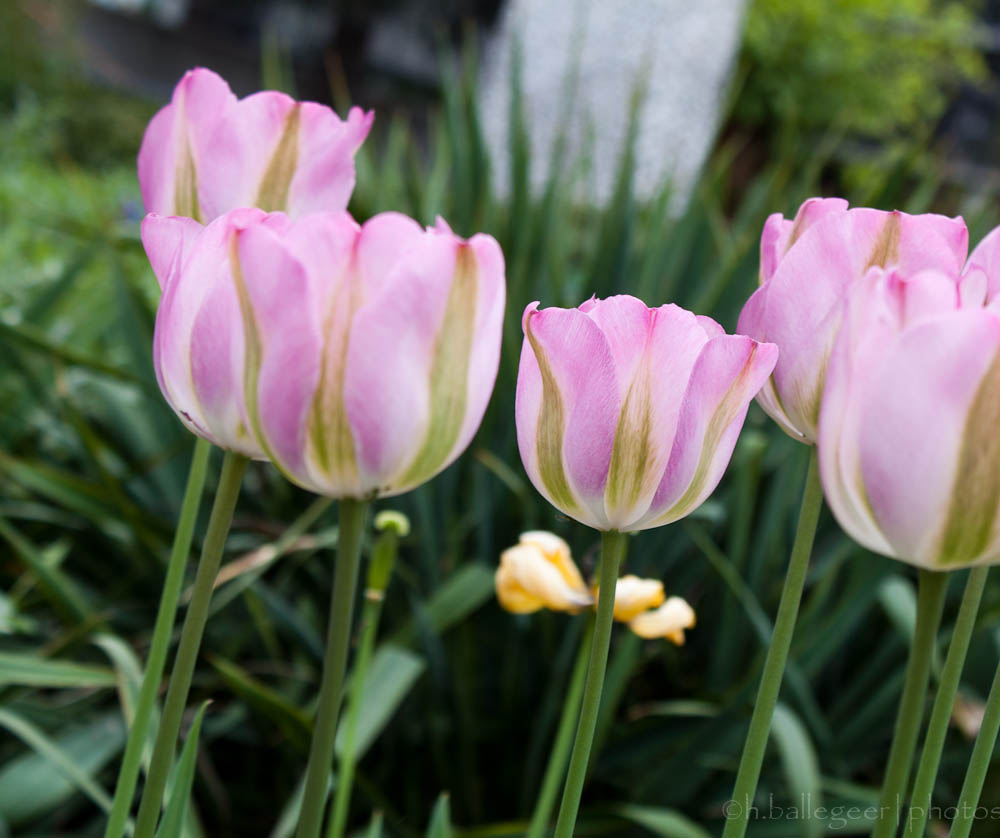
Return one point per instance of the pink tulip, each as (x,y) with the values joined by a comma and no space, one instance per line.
(627,416)
(207,153)
(359,359)
(908,444)
(807,269)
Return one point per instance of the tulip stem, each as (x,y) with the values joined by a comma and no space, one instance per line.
(379,572)
(613,546)
(979,763)
(944,701)
(338,637)
(233,467)
(931,588)
(556,768)
(128,774)
(748,773)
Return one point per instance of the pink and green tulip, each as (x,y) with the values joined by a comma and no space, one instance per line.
(627,416)
(358,358)
(908,445)
(807,268)
(207,152)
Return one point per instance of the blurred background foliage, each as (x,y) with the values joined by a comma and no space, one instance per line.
(466,697)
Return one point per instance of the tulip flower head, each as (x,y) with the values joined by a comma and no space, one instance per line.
(357,358)
(807,268)
(208,152)
(539,572)
(627,416)
(909,448)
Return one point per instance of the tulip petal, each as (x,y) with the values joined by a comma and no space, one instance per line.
(409,361)
(198,343)
(929,443)
(171,160)
(283,327)
(780,234)
(166,240)
(727,375)
(567,407)
(647,423)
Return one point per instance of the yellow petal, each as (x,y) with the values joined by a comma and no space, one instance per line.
(511,596)
(557,552)
(527,575)
(634,595)
(669,621)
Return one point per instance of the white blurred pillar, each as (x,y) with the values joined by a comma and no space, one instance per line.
(685,49)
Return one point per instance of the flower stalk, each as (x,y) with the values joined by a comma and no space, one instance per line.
(937,727)
(930,601)
(128,774)
(392,525)
(752,758)
(352,522)
(233,467)
(613,545)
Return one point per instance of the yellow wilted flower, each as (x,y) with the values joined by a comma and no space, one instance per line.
(538,572)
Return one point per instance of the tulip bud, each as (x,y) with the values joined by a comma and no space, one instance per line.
(627,416)
(359,359)
(207,153)
(669,621)
(807,267)
(908,445)
(537,573)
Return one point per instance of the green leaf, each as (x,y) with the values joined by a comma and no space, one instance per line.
(34,784)
(440,825)
(26,670)
(798,757)
(392,674)
(665,822)
(173,817)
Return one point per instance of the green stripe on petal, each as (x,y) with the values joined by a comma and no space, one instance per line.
(975,497)
(329,428)
(449,371)
(549,435)
(252,348)
(186,186)
(632,452)
(886,249)
(273,193)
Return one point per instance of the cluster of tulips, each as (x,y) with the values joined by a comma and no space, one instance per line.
(359,359)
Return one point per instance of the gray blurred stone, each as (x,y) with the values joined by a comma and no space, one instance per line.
(683,50)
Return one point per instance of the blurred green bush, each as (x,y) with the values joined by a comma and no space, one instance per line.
(880,68)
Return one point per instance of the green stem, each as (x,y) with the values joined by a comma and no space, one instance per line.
(556,768)
(748,772)
(345,580)
(930,600)
(379,572)
(613,546)
(233,467)
(944,701)
(979,763)
(128,774)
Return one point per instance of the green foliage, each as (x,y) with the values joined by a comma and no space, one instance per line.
(875,67)
(92,472)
